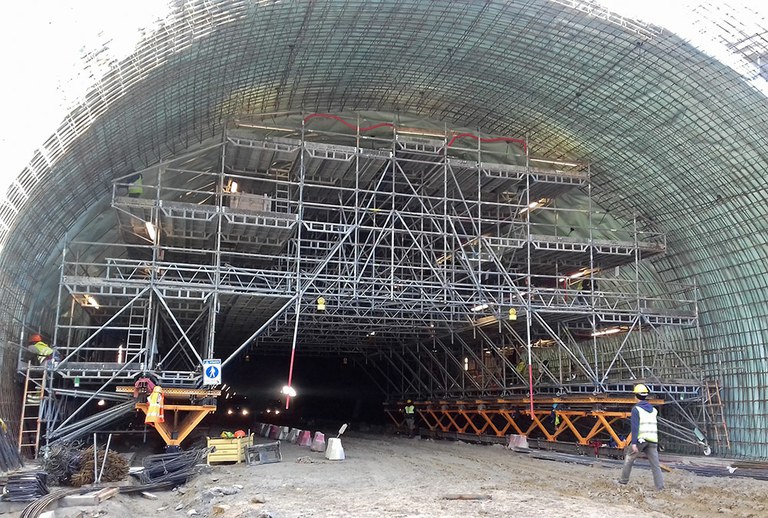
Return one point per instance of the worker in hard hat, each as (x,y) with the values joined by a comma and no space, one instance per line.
(41,350)
(155,410)
(645,438)
(410,417)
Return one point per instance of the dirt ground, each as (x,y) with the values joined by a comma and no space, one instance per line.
(390,476)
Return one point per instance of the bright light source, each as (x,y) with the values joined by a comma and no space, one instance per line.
(466,364)
(91,301)
(244,411)
(530,206)
(576,275)
(233,187)
(277,412)
(372,333)
(269,410)
(534,204)
(609,331)
(230,412)
(151,230)
(101,402)
(480,307)
(288,391)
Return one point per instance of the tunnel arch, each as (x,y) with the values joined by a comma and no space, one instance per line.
(672,135)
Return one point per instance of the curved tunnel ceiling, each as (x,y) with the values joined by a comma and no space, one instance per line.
(674,137)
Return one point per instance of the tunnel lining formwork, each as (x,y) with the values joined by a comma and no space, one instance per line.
(442,257)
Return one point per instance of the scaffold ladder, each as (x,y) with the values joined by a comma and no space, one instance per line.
(31,420)
(137,326)
(282,199)
(713,406)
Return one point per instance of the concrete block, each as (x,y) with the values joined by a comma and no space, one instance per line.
(517,441)
(305,438)
(318,442)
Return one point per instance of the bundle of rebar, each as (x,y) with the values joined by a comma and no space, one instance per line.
(93,467)
(175,467)
(67,464)
(61,462)
(26,487)
(9,450)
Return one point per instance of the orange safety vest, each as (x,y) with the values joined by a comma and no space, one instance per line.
(155,412)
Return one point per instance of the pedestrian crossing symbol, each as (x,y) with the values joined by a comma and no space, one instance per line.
(211,372)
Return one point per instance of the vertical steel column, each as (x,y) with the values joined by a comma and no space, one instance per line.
(299,290)
(528,270)
(592,316)
(356,243)
(637,294)
(214,300)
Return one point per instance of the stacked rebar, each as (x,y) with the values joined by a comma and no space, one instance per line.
(26,487)
(175,467)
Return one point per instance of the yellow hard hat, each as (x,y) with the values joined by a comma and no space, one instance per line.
(641,389)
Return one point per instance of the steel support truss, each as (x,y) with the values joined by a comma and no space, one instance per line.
(443,259)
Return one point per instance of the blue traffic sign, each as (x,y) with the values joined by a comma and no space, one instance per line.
(212,372)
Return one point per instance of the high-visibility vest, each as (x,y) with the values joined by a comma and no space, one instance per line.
(155,412)
(410,410)
(43,351)
(648,430)
(136,187)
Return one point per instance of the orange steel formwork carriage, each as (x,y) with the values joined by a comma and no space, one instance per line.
(582,420)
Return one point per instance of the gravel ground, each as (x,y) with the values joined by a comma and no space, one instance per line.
(388,476)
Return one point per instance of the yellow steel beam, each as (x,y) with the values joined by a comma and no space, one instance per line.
(175,391)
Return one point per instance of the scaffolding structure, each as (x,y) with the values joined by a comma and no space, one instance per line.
(441,262)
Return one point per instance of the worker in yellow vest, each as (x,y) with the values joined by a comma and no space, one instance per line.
(42,351)
(410,417)
(645,438)
(155,413)
(136,186)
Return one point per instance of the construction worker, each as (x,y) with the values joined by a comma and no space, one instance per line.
(410,417)
(136,187)
(645,438)
(155,411)
(41,350)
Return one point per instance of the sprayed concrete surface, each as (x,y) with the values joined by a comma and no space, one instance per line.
(386,476)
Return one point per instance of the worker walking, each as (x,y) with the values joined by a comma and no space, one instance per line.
(41,350)
(645,438)
(155,411)
(410,417)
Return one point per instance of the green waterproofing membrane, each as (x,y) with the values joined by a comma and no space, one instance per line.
(673,136)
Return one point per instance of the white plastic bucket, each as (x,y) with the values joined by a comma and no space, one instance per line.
(334,451)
